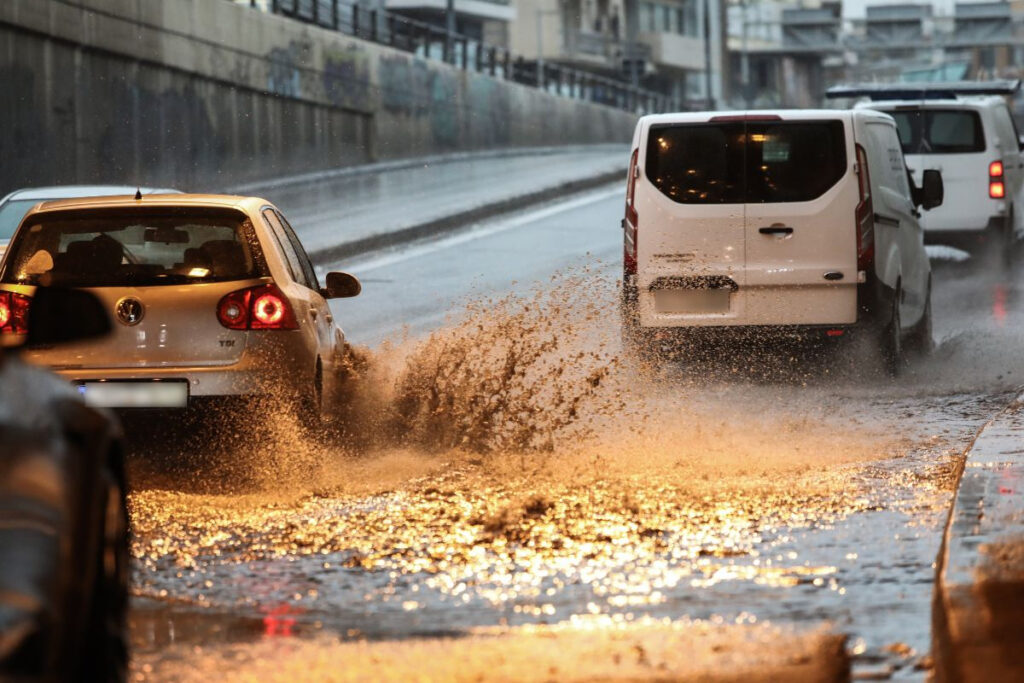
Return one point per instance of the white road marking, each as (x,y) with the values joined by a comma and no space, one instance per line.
(486,230)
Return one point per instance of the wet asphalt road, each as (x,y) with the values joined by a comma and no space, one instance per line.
(578,488)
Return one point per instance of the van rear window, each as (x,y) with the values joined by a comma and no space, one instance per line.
(739,162)
(939,131)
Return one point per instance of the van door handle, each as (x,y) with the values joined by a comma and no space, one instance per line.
(776,230)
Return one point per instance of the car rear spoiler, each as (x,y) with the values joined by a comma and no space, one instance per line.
(924,90)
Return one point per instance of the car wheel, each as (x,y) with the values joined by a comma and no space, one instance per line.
(310,407)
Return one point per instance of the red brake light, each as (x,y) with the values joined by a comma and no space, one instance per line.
(996,188)
(268,310)
(745,117)
(14,313)
(632,219)
(264,307)
(864,215)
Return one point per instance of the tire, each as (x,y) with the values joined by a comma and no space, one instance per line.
(310,408)
(104,648)
(891,342)
(922,341)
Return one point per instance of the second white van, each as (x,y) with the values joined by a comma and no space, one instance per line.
(794,223)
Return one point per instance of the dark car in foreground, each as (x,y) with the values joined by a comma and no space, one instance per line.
(63,515)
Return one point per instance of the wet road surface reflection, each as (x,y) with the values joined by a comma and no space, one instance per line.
(666,499)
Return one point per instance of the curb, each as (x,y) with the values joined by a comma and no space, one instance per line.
(978,601)
(457,221)
(256,187)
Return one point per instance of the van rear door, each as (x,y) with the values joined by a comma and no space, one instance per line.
(690,213)
(801,236)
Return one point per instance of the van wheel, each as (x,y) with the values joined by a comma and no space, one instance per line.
(922,341)
(893,358)
(632,334)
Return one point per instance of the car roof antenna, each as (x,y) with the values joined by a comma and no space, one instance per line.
(138,193)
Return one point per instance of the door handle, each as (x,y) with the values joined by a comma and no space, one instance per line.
(776,230)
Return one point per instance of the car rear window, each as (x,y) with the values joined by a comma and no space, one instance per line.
(738,162)
(939,131)
(133,248)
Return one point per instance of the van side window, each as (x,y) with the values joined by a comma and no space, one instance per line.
(891,171)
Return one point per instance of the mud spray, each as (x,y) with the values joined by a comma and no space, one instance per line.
(515,467)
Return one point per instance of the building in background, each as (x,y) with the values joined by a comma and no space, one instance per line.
(784,54)
(655,44)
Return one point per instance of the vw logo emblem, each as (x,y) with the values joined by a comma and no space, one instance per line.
(129,311)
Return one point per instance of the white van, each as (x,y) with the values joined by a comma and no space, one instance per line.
(966,131)
(790,222)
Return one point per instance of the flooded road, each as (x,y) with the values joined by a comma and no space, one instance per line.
(513,471)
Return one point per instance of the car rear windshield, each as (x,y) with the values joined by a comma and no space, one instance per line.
(738,162)
(939,131)
(133,248)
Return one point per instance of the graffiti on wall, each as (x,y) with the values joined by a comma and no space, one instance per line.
(346,77)
(409,87)
(284,75)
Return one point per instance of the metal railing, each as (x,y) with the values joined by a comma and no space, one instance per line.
(432,42)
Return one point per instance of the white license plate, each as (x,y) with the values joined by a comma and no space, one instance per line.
(135,394)
(692,300)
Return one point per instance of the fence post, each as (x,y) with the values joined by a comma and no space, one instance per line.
(493,56)
(334,14)
(373,25)
(355,20)
(273,6)
(478,58)
(316,11)
(390,21)
(295,8)
(508,65)
(465,53)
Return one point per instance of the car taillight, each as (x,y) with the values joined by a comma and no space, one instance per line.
(264,307)
(14,313)
(996,186)
(864,215)
(630,224)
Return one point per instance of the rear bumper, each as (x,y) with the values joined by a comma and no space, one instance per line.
(970,239)
(285,373)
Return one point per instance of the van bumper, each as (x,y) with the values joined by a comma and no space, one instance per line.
(970,240)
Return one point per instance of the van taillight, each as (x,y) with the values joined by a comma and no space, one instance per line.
(996,184)
(630,224)
(14,313)
(864,215)
(264,307)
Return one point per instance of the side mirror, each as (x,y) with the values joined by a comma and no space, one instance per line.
(341,286)
(58,315)
(1020,142)
(932,192)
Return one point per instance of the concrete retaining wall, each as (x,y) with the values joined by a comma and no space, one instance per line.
(201,94)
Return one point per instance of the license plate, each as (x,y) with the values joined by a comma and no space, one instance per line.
(692,301)
(172,394)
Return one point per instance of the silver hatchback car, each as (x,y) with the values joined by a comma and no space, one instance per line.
(213,298)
